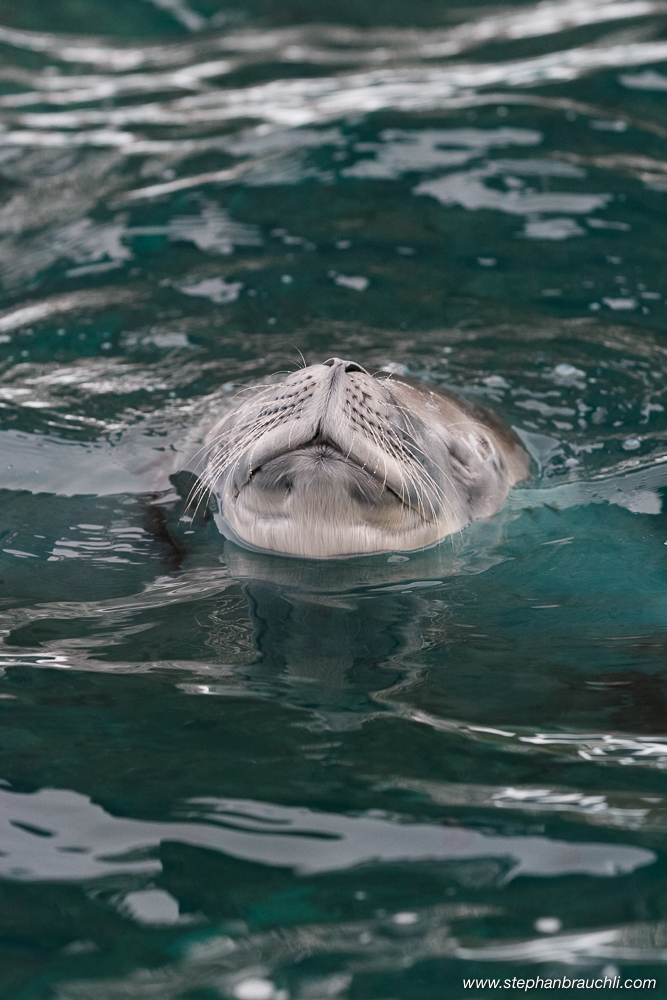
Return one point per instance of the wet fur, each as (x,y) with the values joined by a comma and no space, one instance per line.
(334,462)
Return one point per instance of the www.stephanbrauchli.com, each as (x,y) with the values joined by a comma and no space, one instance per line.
(564,983)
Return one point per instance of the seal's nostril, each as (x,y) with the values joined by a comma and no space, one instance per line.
(348,366)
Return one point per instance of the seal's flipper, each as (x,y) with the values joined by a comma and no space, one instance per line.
(198,501)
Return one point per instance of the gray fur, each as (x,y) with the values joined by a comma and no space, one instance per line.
(333,462)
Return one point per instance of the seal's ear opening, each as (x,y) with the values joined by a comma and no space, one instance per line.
(198,501)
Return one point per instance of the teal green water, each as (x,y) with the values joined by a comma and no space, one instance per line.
(228,775)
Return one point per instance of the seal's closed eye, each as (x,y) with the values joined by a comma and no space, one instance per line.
(334,462)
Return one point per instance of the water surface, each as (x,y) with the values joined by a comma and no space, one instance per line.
(233,775)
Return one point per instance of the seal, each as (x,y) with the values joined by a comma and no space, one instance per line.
(334,461)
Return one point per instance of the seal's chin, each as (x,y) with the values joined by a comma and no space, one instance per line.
(341,508)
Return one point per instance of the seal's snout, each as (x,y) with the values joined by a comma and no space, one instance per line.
(347,366)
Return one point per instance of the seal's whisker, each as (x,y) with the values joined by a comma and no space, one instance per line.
(303,360)
(213,442)
(419,474)
(407,417)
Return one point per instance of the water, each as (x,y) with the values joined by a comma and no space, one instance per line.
(232,775)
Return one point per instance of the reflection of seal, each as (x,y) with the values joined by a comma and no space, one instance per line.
(333,462)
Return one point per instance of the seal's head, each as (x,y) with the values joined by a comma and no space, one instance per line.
(334,462)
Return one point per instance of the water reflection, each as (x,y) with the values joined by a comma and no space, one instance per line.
(214,963)
(54,835)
